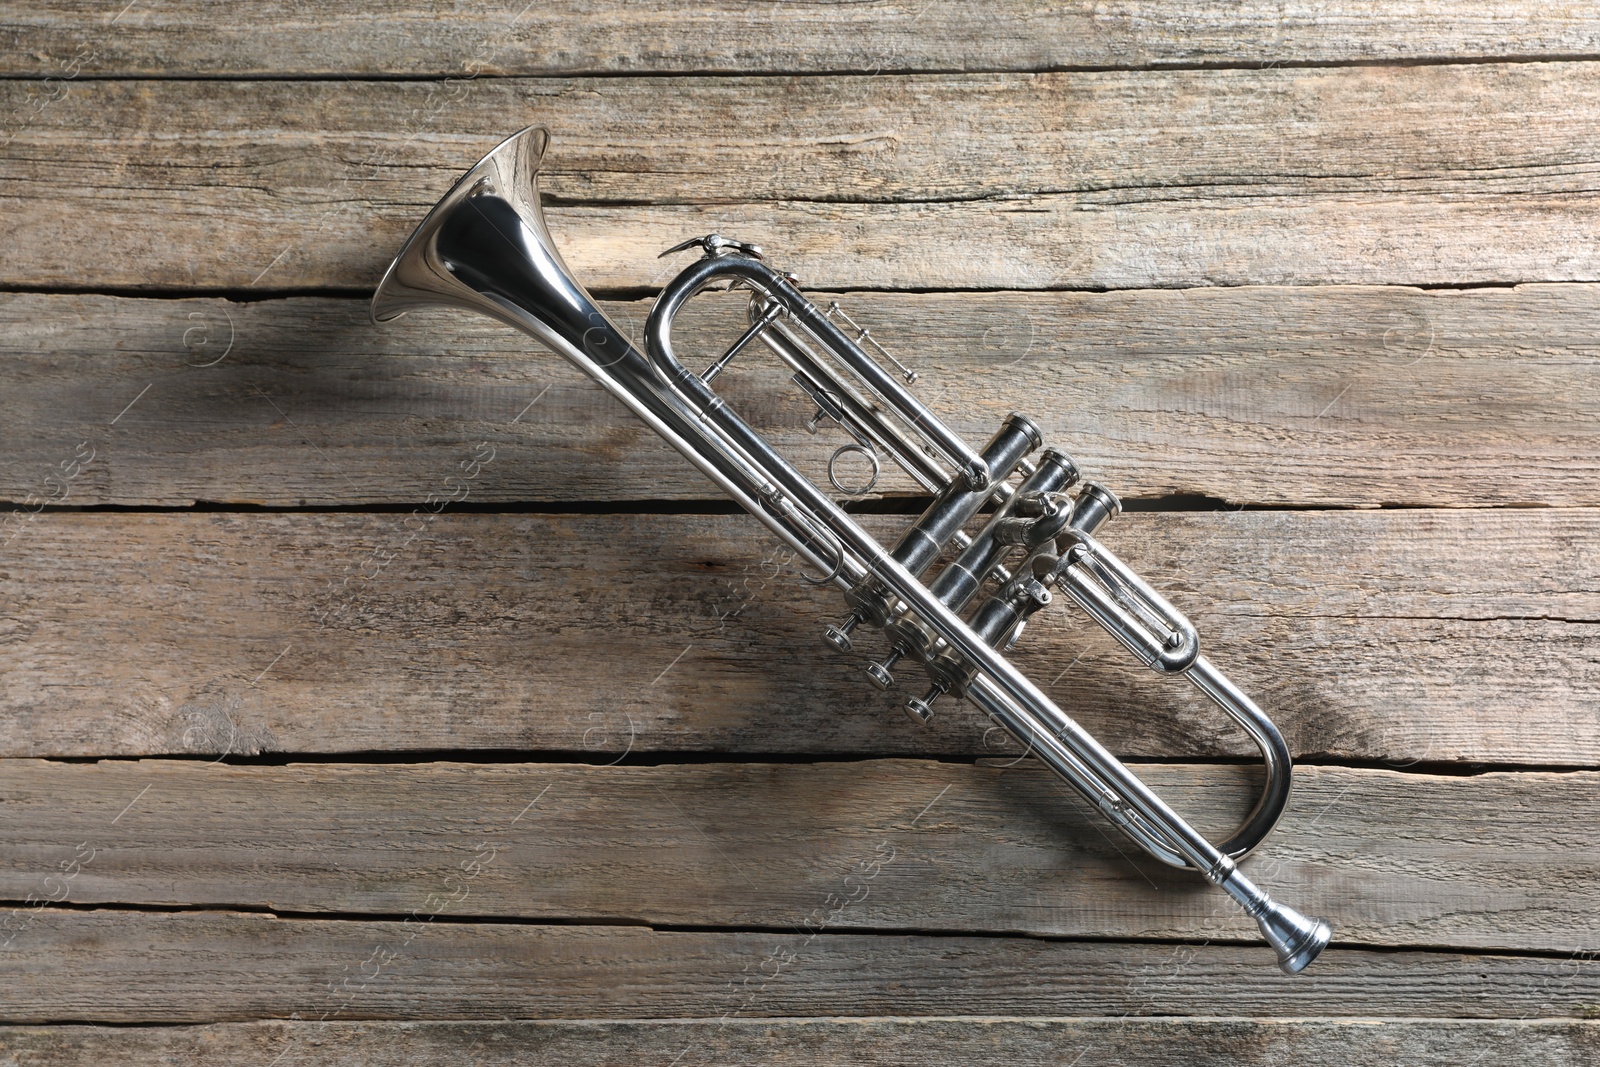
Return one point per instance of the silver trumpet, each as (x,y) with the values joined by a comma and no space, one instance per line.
(485,247)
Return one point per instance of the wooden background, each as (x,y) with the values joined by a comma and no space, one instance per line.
(298,771)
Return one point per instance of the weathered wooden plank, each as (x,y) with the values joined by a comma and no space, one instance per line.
(1396,635)
(1411,175)
(955,1040)
(1494,861)
(140,967)
(1320,396)
(184,967)
(65,38)
(864,139)
(1224,1042)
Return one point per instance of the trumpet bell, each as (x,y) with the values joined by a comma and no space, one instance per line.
(485,247)
(423,273)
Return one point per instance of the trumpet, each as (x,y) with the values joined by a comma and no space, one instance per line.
(485,247)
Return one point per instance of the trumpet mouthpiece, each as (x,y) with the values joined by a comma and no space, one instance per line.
(1296,939)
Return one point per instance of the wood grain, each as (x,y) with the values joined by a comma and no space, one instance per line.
(1492,861)
(1307,397)
(64,37)
(1477,173)
(1393,635)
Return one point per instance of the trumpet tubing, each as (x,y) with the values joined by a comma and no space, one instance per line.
(485,248)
